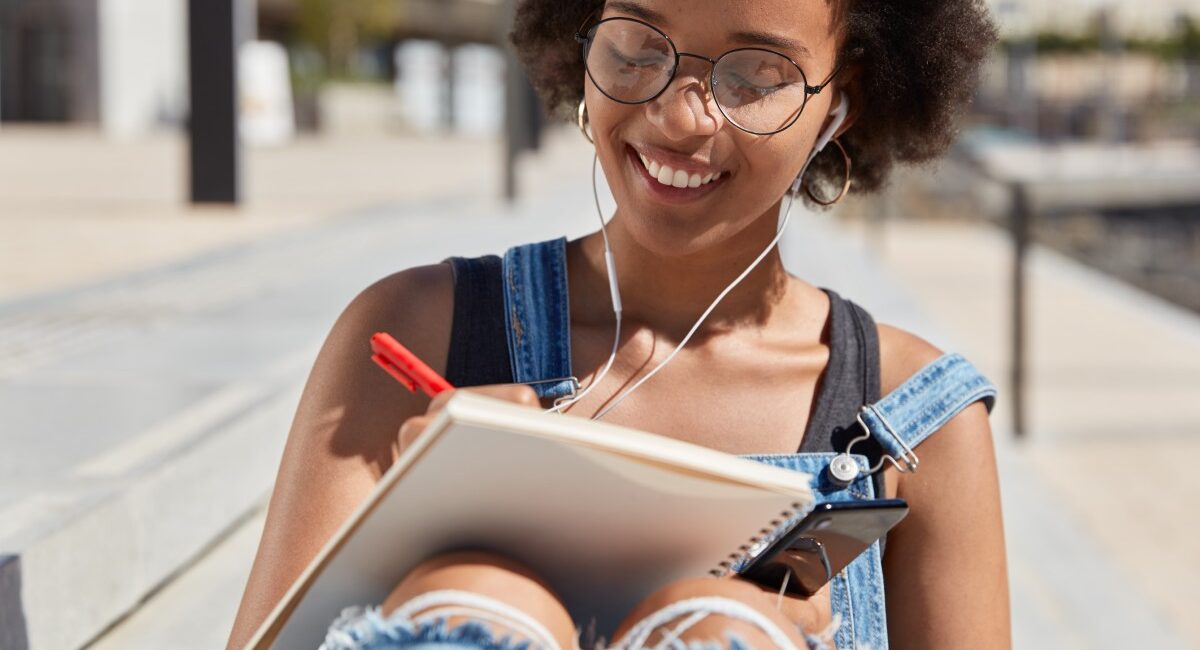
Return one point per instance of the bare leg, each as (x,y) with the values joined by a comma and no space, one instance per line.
(751,615)
(491,576)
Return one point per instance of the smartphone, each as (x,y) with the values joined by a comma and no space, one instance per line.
(823,543)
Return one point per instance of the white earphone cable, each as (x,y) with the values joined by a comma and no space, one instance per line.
(839,115)
(619,398)
(611,268)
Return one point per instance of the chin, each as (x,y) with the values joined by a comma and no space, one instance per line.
(672,233)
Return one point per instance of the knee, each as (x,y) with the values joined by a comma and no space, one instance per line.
(492,576)
(764,630)
(478,571)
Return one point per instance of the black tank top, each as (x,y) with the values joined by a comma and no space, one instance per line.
(479,355)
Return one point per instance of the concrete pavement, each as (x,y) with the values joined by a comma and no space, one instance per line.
(1098,510)
(1114,427)
(145,411)
(131,393)
(77,208)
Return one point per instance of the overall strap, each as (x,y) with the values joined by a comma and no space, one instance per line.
(923,404)
(538,317)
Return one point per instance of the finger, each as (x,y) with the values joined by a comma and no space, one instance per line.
(411,429)
(439,401)
(519,393)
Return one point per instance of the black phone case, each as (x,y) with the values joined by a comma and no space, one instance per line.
(823,543)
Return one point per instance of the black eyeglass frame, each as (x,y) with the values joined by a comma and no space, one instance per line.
(585,40)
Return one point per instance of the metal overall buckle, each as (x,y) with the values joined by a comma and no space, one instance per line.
(844,470)
(574,387)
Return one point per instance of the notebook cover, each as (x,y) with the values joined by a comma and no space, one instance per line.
(605,514)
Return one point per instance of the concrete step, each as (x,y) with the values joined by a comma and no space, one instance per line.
(146,415)
(91,550)
(195,610)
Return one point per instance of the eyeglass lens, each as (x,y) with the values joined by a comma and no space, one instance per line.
(758,90)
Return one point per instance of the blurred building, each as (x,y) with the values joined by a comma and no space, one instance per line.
(440,56)
(460,21)
(120,64)
(1130,18)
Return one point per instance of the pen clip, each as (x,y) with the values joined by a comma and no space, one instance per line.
(405,366)
(395,371)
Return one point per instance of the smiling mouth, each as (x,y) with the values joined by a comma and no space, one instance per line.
(667,175)
(671,183)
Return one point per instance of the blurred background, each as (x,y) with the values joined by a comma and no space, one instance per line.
(191,191)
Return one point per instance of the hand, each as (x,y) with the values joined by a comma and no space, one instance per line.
(813,614)
(414,426)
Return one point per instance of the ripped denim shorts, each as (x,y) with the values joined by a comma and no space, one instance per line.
(423,624)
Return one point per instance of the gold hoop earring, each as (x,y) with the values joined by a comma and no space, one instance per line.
(845,184)
(582,119)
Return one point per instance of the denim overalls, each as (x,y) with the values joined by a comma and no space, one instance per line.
(537,316)
(537,325)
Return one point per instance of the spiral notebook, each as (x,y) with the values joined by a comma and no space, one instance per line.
(605,514)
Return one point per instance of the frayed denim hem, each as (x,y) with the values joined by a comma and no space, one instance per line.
(735,643)
(361,628)
(365,628)
(823,639)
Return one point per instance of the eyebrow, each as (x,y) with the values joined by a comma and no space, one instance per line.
(635,9)
(747,37)
(771,40)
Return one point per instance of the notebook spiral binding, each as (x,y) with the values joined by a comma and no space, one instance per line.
(757,544)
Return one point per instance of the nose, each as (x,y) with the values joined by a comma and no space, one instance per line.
(687,107)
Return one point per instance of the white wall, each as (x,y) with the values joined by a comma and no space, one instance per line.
(143,65)
(478,89)
(421,69)
(478,94)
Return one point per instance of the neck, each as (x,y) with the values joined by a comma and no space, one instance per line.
(668,292)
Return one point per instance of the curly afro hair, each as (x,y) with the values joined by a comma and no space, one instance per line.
(918,63)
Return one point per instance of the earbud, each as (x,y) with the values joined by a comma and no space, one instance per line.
(839,117)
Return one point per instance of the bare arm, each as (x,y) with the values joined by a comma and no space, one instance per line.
(945,570)
(344,435)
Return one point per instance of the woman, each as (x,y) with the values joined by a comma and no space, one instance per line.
(703,116)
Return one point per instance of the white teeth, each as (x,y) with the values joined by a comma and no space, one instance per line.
(676,177)
(680,179)
(665,175)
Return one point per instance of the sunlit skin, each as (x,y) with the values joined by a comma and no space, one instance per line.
(745,384)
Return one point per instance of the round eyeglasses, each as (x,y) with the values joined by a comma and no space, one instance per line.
(758,90)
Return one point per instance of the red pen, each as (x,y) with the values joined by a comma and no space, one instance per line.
(405,366)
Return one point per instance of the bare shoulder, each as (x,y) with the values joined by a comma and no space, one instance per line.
(963,440)
(350,409)
(901,355)
(416,305)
